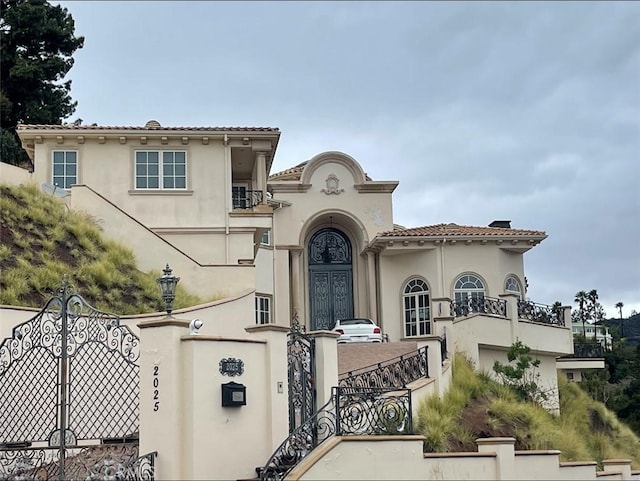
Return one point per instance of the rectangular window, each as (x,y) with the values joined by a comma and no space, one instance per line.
(239,196)
(263,309)
(65,168)
(161,169)
(266,238)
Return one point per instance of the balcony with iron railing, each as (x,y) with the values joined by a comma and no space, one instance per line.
(541,313)
(246,199)
(587,349)
(498,323)
(478,305)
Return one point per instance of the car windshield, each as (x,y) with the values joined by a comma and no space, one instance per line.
(351,322)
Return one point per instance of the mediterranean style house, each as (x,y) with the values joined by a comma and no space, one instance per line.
(302,247)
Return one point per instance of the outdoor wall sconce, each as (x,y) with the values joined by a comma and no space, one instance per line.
(234,394)
(168,283)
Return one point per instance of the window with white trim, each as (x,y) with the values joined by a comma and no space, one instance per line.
(416,308)
(512,284)
(64,168)
(468,286)
(266,238)
(164,169)
(263,309)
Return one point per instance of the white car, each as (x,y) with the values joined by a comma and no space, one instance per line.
(357,330)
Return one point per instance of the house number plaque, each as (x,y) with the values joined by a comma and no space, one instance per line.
(231,366)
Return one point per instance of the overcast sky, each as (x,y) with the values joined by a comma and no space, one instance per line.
(522,111)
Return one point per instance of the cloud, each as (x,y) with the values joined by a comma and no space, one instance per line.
(518,110)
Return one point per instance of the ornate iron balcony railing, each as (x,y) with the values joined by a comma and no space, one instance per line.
(350,411)
(247,199)
(481,305)
(396,372)
(587,349)
(541,313)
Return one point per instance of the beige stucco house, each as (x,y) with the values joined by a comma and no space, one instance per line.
(315,242)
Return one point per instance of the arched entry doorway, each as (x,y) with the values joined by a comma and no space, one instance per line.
(330,278)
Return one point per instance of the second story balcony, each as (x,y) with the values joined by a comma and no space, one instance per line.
(479,305)
(541,313)
(587,349)
(246,199)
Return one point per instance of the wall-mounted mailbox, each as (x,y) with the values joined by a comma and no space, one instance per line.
(234,394)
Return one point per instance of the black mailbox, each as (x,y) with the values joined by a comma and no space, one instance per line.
(234,394)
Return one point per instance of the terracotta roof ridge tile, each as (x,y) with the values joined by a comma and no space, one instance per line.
(452,229)
(138,127)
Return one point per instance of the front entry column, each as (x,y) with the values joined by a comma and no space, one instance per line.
(295,282)
(372,285)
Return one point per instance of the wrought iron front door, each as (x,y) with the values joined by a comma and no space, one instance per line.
(330,278)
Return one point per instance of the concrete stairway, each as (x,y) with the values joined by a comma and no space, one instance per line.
(358,355)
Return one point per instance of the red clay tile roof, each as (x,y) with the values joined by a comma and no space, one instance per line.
(139,128)
(295,173)
(440,230)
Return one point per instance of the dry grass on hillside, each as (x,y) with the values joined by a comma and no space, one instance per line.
(476,406)
(41,242)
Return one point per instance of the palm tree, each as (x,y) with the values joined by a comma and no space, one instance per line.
(619,306)
(581,300)
(592,298)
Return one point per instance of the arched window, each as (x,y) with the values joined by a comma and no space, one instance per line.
(468,286)
(512,284)
(417,312)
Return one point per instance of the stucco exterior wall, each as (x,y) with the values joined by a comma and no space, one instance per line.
(109,169)
(398,269)
(393,458)
(12,175)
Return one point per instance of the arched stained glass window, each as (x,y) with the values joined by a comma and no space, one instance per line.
(417,311)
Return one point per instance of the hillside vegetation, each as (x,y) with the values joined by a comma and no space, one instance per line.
(41,242)
(476,406)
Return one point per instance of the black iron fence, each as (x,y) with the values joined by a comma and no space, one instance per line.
(480,305)
(104,462)
(396,372)
(350,411)
(587,349)
(541,313)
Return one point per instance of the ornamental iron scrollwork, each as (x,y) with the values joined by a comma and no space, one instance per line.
(396,372)
(329,246)
(70,369)
(541,313)
(479,305)
(99,463)
(350,411)
(300,375)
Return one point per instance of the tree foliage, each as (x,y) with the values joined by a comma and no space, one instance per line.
(589,310)
(37,42)
(521,374)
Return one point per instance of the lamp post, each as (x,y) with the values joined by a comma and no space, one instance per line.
(168,283)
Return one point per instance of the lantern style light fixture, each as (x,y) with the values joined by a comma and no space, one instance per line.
(168,283)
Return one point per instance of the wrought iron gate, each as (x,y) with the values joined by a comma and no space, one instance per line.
(69,386)
(301,375)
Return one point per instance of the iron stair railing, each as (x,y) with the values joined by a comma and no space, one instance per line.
(350,411)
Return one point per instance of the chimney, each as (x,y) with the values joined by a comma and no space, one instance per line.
(503,224)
